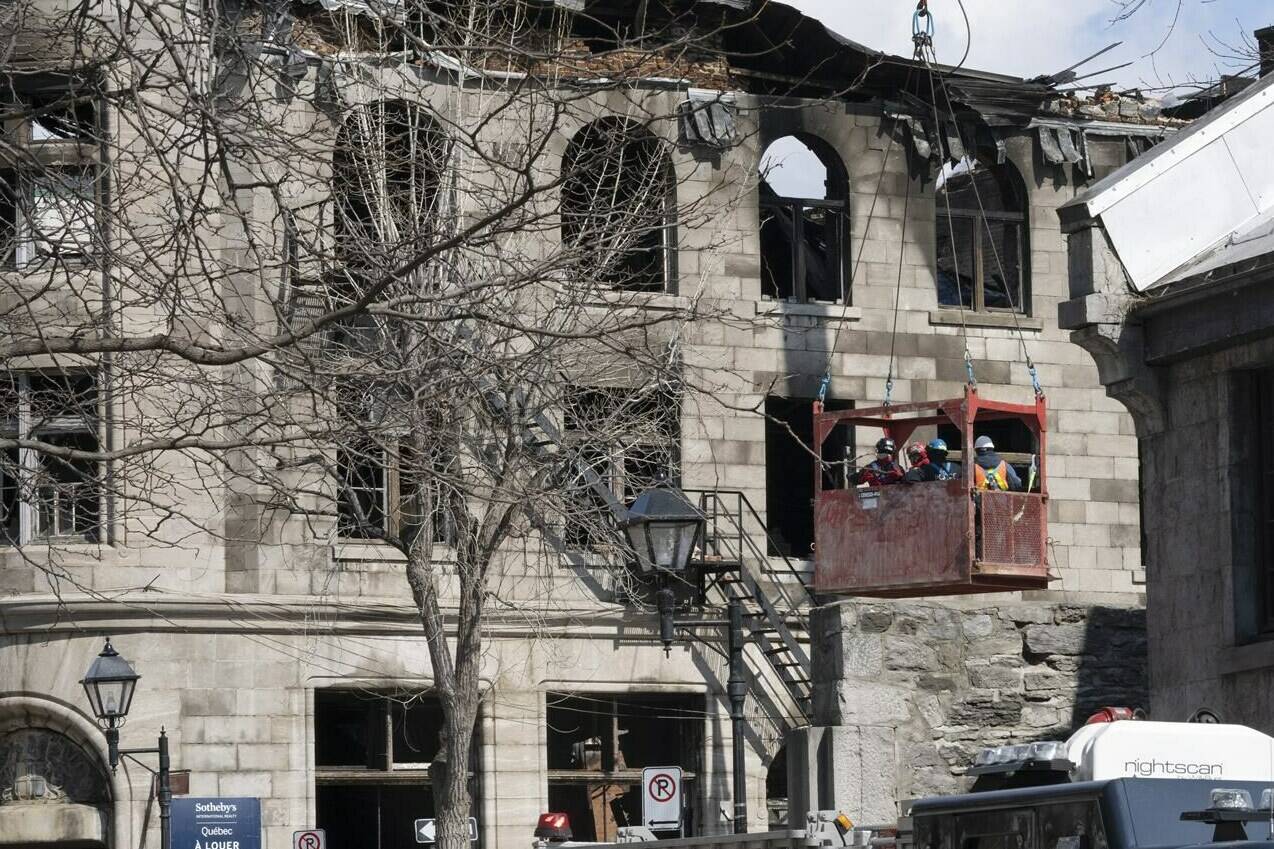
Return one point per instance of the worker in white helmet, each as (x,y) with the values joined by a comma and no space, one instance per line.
(990,471)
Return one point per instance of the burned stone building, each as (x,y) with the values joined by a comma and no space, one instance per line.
(808,208)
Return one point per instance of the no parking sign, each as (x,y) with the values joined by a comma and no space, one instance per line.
(661,798)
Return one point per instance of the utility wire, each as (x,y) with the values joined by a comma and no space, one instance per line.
(930,62)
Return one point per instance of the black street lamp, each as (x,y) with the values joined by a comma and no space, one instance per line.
(109,685)
(662,527)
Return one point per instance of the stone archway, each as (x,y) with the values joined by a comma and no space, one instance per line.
(53,792)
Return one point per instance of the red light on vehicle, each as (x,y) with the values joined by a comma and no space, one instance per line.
(1111,714)
(553,827)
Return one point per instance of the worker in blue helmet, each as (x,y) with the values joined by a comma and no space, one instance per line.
(939,468)
(943,469)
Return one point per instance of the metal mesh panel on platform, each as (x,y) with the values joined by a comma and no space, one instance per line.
(1012,528)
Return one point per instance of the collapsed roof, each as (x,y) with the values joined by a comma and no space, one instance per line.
(769,48)
(1218,170)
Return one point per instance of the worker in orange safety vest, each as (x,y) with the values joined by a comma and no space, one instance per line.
(990,471)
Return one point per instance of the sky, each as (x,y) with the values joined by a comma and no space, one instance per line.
(1032,37)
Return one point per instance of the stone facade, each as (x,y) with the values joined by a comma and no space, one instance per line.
(934,683)
(238,634)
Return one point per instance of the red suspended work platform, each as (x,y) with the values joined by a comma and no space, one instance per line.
(930,538)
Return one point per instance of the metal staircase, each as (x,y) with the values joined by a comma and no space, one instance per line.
(737,568)
(734,566)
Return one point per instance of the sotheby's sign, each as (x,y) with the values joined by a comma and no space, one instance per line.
(229,823)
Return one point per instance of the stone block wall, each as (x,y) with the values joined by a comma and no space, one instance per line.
(917,688)
(895,325)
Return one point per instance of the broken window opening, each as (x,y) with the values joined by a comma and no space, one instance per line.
(391,490)
(598,745)
(386,176)
(789,470)
(372,753)
(631,439)
(47,497)
(981,248)
(804,222)
(618,207)
(57,115)
(49,193)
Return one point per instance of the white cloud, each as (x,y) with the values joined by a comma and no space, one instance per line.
(1032,37)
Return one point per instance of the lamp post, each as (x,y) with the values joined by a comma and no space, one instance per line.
(109,685)
(662,527)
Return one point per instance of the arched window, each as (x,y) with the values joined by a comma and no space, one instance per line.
(804,221)
(981,236)
(618,207)
(386,171)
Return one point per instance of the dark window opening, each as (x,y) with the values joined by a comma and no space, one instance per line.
(1261,500)
(386,173)
(804,222)
(618,207)
(980,237)
(789,470)
(372,754)
(49,192)
(392,491)
(631,439)
(1013,440)
(373,817)
(776,791)
(46,497)
(598,745)
(62,116)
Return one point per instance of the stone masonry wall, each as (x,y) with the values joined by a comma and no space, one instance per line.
(934,683)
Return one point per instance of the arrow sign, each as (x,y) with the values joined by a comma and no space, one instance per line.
(426,830)
(661,797)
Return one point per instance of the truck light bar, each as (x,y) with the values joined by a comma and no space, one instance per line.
(1049,756)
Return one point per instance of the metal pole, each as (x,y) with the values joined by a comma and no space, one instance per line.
(112,747)
(666,600)
(165,794)
(737,688)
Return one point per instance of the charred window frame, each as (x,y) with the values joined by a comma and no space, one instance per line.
(618,207)
(598,744)
(387,173)
(384,489)
(48,498)
(49,174)
(805,240)
(631,439)
(981,227)
(372,754)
